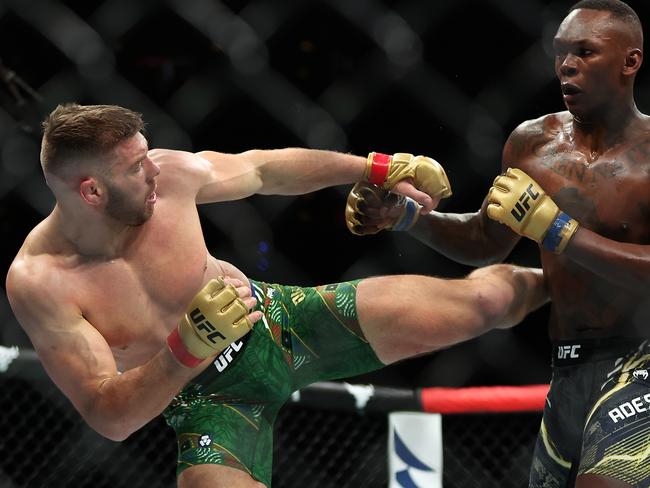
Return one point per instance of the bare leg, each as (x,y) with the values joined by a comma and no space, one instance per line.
(403,316)
(216,476)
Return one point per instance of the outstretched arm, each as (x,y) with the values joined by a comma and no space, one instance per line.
(468,238)
(220,177)
(290,171)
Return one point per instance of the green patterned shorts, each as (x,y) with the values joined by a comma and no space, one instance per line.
(225,416)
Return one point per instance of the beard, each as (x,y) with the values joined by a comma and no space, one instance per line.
(124,208)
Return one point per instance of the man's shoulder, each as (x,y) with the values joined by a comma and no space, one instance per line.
(171,157)
(39,288)
(34,262)
(542,125)
(27,274)
(179,168)
(174,156)
(532,134)
(29,267)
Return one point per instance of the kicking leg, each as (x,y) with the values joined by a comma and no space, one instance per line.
(403,316)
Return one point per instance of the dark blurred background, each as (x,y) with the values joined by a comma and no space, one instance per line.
(448,79)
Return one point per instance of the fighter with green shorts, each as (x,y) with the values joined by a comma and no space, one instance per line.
(225,416)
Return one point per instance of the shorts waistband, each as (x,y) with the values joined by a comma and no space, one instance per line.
(572,352)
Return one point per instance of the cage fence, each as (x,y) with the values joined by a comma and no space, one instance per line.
(321,440)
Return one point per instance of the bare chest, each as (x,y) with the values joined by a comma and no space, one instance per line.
(134,301)
(609,195)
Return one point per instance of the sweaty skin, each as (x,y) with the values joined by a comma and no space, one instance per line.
(150,300)
(100,283)
(98,295)
(608,192)
(593,161)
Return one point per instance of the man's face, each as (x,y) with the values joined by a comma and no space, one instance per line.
(590,50)
(131,184)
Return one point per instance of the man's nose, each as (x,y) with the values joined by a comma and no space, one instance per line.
(152,168)
(569,66)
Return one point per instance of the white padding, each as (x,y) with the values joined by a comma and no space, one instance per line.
(414,450)
(7,355)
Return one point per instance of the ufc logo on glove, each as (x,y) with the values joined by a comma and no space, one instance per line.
(204,324)
(522,206)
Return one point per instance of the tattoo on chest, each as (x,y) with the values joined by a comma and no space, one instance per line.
(572,170)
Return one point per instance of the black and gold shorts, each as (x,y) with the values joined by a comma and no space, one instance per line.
(597,416)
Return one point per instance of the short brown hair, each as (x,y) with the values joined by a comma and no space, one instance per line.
(73,132)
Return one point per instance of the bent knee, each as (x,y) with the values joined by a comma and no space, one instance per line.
(508,292)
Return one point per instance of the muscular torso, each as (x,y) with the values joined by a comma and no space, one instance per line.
(607,193)
(135,300)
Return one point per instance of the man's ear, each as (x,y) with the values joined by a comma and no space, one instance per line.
(90,191)
(633,61)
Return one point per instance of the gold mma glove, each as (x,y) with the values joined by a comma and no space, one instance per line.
(215,318)
(365,195)
(517,201)
(427,174)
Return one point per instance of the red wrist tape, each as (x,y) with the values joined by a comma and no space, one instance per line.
(180,352)
(379,168)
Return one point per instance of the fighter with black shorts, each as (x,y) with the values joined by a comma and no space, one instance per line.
(597,415)
(576,182)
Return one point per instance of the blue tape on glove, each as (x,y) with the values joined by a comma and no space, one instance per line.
(555,232)
(407,218)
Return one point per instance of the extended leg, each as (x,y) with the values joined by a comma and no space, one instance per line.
(403,316)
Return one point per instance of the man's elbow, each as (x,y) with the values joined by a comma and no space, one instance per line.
(113,431)
(110,425)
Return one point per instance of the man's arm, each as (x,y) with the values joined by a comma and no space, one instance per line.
(215,177)
(290,171)
(627,265)
(468,238)
(80,362)
(624,264)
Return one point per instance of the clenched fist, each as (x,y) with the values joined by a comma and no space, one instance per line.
(425,174)
(517,201)
(371,209)
(215,318)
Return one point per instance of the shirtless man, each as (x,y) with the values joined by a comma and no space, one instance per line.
(592,162)
(102,287)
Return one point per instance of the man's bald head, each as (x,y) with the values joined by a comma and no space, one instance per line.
(619,10)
